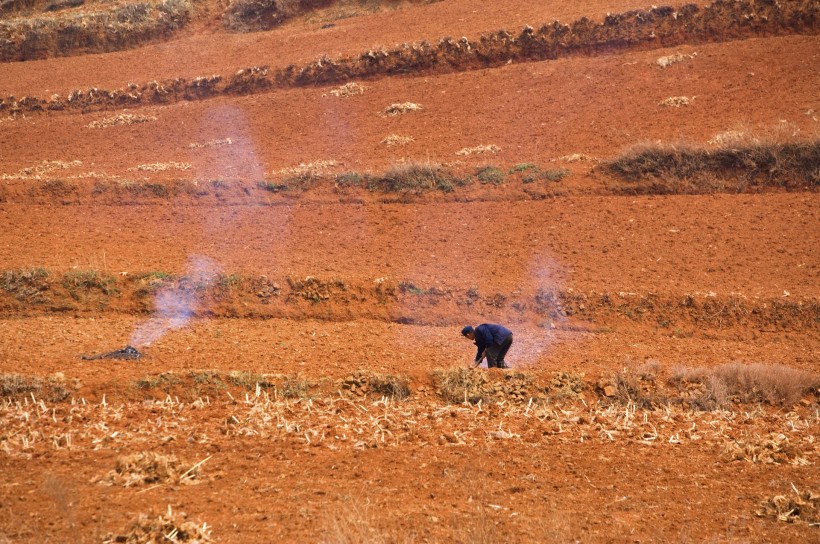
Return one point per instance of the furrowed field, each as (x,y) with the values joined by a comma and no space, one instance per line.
(239,240)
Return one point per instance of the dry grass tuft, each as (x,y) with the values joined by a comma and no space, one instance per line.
(161,167)
(120,120)
(575,157)
(246,379)
(772,384)
(395,139)
(167,527)
(349,89)
(295,387)
(669,60)
(211,143)
(683,169)
(386,385)
(53,389)
(401,108)
(38,171)
(564,385)
(253,15)
(775,448)
(633,387)
(12,385)
(353,524)
(676,101)
(479,149)
(414,177)
(459,384)
(113,27)
(26,285)
(147,467)
(312,168)
(730,137)
(800,507)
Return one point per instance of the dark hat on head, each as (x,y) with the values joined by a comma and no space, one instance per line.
(466,330)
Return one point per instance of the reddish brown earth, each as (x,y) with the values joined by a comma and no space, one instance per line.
(323,467)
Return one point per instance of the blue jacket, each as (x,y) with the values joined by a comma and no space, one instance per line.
(488,334)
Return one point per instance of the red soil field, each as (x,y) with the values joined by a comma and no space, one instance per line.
(286,295)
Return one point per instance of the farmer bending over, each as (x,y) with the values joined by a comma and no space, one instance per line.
(492,341)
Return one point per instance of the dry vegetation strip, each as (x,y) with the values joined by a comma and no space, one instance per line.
(27,291)
(661,26)
(729,168)
(255,15)
(252,15)
(122,26)
(469,408)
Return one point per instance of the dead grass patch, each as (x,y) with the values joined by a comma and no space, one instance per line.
(798,507)
(248,380)
(459,384)
(565,386)
(730,137)
(26,285)
(146,467)
(167,527)
(165,381)
(775,384)
(634,387)
(471,385)
(119,27)
(37,172)
(348,89)
(400,108)
(122,119)
(394,140)
(478,150)
(676,101)
(77,282)
(53,389)
(774,448)
(414,177)
(575,157)
(364,382)
(669,60)
(161,167)
(254,15)
(211,143)
(353,524)
(315,168)
(683,169)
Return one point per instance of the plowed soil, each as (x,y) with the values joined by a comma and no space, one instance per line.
(279,296)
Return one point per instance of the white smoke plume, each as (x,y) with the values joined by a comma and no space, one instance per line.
(176,304)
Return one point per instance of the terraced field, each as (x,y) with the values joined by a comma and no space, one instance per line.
(288,210)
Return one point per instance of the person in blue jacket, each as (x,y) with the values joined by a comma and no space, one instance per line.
(493,342)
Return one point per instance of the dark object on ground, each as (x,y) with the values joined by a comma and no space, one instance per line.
(127,353)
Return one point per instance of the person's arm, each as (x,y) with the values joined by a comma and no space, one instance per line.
(481,341)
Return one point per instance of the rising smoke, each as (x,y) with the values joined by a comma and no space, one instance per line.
(176,304)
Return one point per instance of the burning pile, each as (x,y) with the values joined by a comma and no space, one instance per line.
(128,353)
